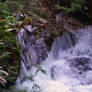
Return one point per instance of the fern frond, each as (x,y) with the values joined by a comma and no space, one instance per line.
(4,72)
(3,81)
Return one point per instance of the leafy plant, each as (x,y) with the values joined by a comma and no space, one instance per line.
(2,79)
(72,5)
(9,53)
(7,22)
(3,10)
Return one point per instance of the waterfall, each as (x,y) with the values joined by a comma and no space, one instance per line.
(68,67)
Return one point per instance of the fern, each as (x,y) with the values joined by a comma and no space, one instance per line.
(2,79)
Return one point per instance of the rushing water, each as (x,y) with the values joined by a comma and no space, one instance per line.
(68,67)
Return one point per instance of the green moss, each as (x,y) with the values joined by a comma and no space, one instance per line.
(37,33)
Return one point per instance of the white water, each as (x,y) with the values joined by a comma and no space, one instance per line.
(63,73)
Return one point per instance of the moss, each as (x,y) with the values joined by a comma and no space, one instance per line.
(37,33)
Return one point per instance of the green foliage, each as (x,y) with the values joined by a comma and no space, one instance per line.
(73,6)
(6,22)
(3,10)
(6,27)
(2,79)
(13,6)
(9,53)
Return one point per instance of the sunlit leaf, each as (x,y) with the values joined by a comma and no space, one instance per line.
(8,30)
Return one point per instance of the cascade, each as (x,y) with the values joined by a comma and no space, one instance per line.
(68,67)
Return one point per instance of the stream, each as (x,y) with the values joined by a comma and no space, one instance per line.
(68,67)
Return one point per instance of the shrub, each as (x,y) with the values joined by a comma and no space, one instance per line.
(2,79)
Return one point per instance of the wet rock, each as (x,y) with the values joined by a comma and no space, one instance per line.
(33,47)
(29,28)
(81,64)
(35,42)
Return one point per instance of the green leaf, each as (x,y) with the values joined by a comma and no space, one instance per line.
(8,30)
(85,8)
(57,6)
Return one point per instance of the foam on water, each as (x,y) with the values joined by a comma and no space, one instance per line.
(68,66)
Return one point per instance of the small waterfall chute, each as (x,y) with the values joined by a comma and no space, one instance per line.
(68,66)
